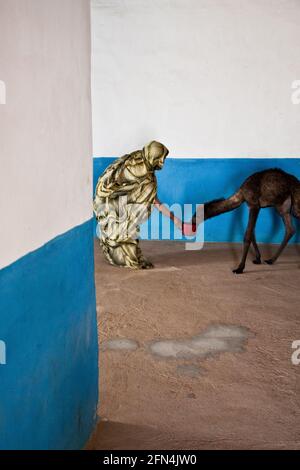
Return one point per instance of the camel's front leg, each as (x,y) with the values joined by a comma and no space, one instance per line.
(257,259)
(247,239)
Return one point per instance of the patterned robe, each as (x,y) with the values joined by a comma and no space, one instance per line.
(124,198)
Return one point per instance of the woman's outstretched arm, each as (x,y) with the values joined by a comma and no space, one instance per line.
(165,211)
(188,229)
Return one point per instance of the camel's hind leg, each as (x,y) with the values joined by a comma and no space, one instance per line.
(289,232)
(254,211)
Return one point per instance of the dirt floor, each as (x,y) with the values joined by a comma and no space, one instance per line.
(195,357)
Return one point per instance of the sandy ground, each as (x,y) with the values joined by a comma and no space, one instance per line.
(194,357)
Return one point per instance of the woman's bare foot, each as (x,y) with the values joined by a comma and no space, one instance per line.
(146,264)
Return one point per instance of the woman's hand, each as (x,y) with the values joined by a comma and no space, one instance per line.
(188,230)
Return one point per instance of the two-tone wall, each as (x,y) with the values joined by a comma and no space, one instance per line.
(48,366)
(184,183)
(217,81)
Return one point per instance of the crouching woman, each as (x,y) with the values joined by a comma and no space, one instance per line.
(124,198)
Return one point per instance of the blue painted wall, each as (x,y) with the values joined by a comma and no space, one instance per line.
(49,385)
(198,180)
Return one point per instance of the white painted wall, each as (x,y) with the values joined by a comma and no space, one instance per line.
(45,125)
(209,78)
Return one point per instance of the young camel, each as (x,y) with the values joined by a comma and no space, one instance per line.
(269,188)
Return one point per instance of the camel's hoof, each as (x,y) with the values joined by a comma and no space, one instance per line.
(269,261)
(257,261)
(238,271)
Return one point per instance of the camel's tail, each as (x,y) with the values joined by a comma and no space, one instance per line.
(220,206)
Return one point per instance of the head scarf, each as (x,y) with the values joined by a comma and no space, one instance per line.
(155,154)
